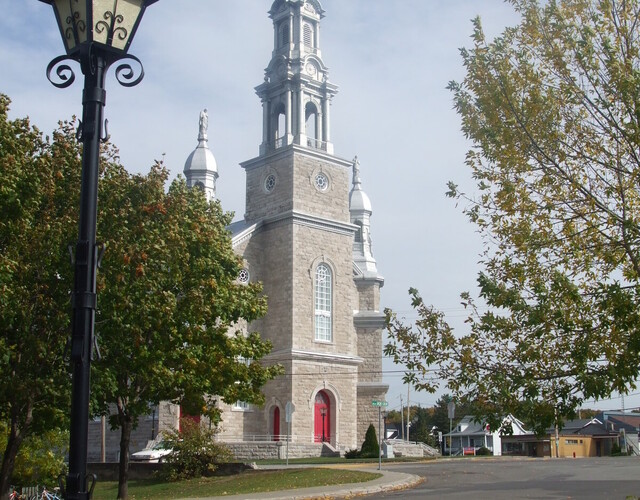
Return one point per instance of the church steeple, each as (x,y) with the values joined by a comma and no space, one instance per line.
(296,93)
(201,169)
(360,211)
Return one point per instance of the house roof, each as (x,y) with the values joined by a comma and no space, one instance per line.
(472,427)
(630,422)
(571,426)
(584,427)
(596,429)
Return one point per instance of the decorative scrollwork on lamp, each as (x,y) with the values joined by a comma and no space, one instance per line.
(64,72)
(125,73)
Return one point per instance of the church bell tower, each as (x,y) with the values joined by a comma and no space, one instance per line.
(297,239)
(296,93)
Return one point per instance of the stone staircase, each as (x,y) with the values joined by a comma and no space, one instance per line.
(412,449)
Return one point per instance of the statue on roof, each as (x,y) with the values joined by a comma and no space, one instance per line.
(204,124)
(356,170)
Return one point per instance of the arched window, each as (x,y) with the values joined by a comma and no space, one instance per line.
(280,122)
(311,123)
(323,303)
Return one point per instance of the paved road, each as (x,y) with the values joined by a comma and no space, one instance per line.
(508,479)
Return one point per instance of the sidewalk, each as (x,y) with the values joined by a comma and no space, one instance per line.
(389,481)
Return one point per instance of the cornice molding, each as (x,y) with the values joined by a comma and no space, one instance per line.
(369,319)
(298,355)
(372,387)
(278,153)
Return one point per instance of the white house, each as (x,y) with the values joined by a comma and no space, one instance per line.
(469,435)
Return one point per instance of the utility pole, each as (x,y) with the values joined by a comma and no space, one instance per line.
(401,418)
(408,411)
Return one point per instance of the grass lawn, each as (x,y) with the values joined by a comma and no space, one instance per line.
(247,482)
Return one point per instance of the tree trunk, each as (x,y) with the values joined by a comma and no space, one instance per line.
(14,440)
(123,469)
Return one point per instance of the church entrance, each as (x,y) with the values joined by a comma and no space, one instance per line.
(322,418)
(276,424)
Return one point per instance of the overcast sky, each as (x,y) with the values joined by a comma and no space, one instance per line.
(391,60)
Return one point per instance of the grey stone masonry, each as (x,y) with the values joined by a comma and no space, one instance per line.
(295,170)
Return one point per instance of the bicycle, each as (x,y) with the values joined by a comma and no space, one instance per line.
(26,493)
(50,495)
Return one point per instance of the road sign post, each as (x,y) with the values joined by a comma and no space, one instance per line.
(288,415)
(379,404)
(451,413)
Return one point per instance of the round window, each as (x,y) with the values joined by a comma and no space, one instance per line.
(270,183)
(322,181)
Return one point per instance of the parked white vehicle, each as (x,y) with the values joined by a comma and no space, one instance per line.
(152,454)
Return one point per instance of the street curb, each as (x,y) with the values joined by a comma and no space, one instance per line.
(390,481)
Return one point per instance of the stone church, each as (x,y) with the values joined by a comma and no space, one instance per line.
(306,236)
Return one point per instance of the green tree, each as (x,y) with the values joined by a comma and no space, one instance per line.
(394,417)
(440,413)
(38,216)
(370,446)
(421,426)
(170,309)
(40,459)
(552,109)
(171,319)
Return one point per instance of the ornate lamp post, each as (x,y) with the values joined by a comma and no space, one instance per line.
(96,34)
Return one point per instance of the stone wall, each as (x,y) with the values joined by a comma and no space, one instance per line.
(147,429)
(248,452)
(411,449)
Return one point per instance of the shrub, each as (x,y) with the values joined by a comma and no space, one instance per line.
(195,453)
(370,447)
(483,451)
(616,451)
(352,453)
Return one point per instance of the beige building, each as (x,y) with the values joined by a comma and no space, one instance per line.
(306,236)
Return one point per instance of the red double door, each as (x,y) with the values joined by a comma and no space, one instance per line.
(322,418)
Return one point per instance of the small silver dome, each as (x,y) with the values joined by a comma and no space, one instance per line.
(201,159)
(359,201)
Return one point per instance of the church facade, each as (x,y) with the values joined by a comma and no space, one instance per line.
(306,236)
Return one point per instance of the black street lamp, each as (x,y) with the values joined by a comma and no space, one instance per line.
(323,412)
(96,34)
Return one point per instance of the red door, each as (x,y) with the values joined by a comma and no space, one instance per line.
(276,424)
(322,418)
(184,414)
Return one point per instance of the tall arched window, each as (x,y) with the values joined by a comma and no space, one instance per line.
(323,303)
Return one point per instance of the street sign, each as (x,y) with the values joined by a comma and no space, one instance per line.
(288,411)
(379,403)
(451,409)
